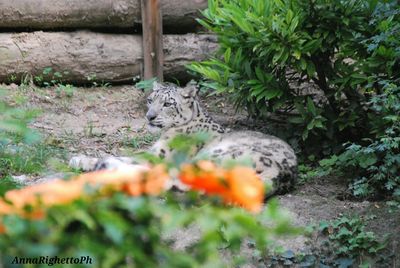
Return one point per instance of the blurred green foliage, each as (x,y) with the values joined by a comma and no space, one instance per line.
(126,231)
(13,124)
(16,153)
(22,150)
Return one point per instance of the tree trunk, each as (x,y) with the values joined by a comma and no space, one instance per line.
(82,57)
(52,14)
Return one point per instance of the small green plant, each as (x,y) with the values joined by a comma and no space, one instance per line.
(393,205)
(307,173)
(92,79)
(350,239)
(65,90)
(13,78)
(25,82)
(145,85)
(24,159)
(88,130)
(140,142)
(136,79)
(49,77)
(289,259)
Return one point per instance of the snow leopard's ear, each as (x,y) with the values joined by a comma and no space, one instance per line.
(190,90)
(157,86)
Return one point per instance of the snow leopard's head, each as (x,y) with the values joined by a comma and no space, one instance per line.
(171,106)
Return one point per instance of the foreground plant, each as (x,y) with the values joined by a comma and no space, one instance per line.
(238,185)
(121,218)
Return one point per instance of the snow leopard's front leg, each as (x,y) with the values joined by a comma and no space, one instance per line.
(86,163)
(161,149)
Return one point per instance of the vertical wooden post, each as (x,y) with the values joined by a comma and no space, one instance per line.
(153,56)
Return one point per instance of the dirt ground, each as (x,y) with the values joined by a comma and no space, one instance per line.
(107,121)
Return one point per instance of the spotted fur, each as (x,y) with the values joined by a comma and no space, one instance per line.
(173,110)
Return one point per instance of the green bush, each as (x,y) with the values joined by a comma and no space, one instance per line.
(375,163)
(268,47)
(375,160)
(348,51)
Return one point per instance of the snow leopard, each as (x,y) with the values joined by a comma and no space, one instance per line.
(174,110)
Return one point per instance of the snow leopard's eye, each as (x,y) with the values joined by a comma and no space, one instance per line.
(167,104)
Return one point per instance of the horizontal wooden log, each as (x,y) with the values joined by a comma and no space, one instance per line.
(52,14)
(82,56)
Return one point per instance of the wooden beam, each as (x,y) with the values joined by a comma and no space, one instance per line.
(153,56)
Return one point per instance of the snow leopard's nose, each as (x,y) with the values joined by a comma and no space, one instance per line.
(151,115)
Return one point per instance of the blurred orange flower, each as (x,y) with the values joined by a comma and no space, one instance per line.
(239,185)
(154,181)
(204,176)
(245,188)
(134,181)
